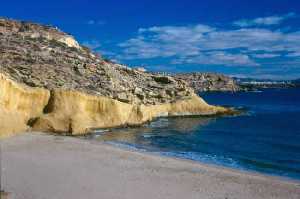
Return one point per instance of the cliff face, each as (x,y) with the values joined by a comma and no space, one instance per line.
(209,82)
(77,113)
(18,105)
(51,83)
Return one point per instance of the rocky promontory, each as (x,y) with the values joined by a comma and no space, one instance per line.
(202,82)
(49,82)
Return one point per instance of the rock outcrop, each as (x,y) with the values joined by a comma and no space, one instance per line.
(48,82)
(209,82)
(18,105)
(74,112)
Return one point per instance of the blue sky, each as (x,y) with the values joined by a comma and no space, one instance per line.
(258,38)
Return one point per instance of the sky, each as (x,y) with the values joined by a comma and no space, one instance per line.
(243,38)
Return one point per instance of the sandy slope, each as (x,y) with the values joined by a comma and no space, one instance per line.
(39,166)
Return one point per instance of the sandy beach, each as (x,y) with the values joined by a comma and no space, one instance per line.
(41,166)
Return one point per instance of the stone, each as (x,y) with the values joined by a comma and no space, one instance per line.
(163,79)
(138,90)
(122,97)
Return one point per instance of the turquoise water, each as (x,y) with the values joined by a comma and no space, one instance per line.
(265,139)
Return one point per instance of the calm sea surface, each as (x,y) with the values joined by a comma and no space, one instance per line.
(266,138)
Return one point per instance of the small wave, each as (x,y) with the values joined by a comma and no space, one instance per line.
(131,147)
(205,158)
(147,135)
(240,164)
(100,131)
(199,157)
(257,91)
(159,123)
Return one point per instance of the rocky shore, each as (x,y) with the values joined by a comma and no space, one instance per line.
(49,82)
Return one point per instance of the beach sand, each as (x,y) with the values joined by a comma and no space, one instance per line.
(42,166)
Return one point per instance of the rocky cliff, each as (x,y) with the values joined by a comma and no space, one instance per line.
(49,82)
(209,82)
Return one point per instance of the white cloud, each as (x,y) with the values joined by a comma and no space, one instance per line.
(265,55)
(165,41)
(263,21)
(202,44)
(218,58)
(251,39)
(91,22)
(96,22)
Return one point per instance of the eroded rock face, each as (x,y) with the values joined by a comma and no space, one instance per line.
(76,113)
(18,105)
(50,83)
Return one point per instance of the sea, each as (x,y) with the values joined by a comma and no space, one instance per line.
(264,138)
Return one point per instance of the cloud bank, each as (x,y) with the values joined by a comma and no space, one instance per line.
(210,45)
(264,21)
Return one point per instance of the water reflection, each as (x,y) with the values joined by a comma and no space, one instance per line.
(188,124)
(159,128)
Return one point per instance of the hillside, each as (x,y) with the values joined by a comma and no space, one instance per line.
(43,56)
(201,82)
(49,82)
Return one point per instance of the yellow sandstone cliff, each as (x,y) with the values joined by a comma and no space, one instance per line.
(73,112)
(19,104)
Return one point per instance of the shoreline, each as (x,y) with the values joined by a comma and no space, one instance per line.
(202,163)
(86,167)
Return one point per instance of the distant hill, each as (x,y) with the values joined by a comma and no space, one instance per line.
(209,81)
(253,84)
